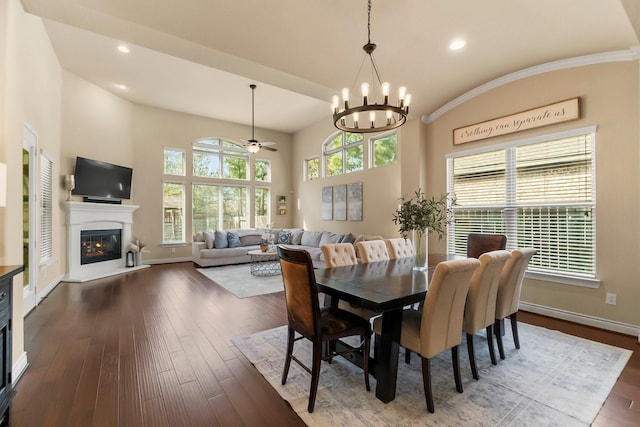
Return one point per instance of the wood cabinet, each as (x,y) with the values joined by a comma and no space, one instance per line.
(6,312)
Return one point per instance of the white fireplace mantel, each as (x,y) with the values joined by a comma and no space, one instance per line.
(97,216)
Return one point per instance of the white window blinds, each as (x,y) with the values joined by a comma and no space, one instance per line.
(46,208)
(540,194)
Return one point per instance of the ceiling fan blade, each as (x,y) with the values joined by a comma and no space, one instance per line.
(268,148)
(267,143)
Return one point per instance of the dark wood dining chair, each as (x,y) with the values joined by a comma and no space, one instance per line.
(480,308)
(508,297)
(310,321)
(479,243)
(438,327)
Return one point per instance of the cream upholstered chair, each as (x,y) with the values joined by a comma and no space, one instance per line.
(399,248)
(479,243)
(438,327)
(480,309)
(508,297)
(318,325)
(372,250)
(338,254)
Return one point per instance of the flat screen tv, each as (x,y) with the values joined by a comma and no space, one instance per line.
(102,182)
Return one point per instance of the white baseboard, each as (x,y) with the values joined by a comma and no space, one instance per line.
(609,325)
(168,260)
(19,367)
(42,294)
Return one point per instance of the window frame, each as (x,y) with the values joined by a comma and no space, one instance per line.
(342,150)
(183,214)
(372,152)
(510,205)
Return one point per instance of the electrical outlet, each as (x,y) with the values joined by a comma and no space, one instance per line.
(610,299)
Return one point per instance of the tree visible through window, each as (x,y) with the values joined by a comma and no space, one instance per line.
(344,153)
(312,168)
(539,193)
(174,162)
(384,150)
(173,212)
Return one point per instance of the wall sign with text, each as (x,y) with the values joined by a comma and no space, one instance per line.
(542,116)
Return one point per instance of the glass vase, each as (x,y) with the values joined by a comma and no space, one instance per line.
(421,246)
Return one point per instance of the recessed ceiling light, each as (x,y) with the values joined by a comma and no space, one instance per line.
(457,44)
(122,86)
(122,48)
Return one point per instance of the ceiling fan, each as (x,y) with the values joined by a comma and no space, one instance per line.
(253,145)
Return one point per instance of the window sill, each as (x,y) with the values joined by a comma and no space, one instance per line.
(173,244)
(584,282)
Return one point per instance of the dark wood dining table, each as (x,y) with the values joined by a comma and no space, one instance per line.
(384,287)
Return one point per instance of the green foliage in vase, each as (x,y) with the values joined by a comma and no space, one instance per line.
(423,214)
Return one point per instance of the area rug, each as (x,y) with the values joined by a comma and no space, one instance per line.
(238,280)
(553,380)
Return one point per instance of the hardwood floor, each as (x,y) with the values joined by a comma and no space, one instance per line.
(153,348)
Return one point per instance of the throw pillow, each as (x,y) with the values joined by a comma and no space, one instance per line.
(221,240)
(348,238)
(311,238)
(328,238)
(209,239)
(233,239)
(284,237)
(296,237)
(250,240)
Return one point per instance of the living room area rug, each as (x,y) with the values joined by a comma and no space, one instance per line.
(555,379)
(238,280)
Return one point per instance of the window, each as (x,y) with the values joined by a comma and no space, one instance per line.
(262,203)
(262,170)
(234,208)
(344,153)
(312,169)
(384,150)
(46,208)
(206,207)
(219,158)
(173,212)
(538,192)
(174,162)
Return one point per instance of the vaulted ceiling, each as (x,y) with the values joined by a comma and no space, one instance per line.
(199,56)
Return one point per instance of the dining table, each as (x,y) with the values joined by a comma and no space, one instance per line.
(384,287)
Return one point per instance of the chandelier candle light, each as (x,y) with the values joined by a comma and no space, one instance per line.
(378,116)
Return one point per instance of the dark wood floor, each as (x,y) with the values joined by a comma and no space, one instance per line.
(153,348)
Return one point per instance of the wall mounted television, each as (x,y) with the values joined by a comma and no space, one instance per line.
(99,181)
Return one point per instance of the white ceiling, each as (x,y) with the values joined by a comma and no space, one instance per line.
(199,56)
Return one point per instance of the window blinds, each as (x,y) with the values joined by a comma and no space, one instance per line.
(46,208)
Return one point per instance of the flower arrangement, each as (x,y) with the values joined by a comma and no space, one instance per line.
(420,216)
(138,245)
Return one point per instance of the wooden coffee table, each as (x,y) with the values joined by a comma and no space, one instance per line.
(264,263)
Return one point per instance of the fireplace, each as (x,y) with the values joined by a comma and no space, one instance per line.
(98,235)
(100,245)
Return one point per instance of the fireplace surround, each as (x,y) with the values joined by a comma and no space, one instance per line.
(93,219)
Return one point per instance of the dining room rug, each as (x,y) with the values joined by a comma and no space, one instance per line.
(238,280)
(555,379)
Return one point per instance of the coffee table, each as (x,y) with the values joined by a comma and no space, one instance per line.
(264,263)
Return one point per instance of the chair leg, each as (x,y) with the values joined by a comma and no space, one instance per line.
(472,357)
(514,329)
(407,356)
(426,382)
(287,360)
(456,368)
(365,363)
(315,374)
(492,351)
(498,334)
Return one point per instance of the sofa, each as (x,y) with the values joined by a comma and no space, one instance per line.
(213,248)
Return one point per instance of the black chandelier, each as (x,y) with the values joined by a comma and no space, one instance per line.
(378,117)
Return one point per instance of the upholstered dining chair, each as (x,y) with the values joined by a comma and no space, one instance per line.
(479,243)
(480,309)
(372,250)
(399,248)
(438,327)
(318,325)
(508,297)
(338,254)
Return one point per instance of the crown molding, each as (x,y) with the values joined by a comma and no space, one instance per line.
(631,54)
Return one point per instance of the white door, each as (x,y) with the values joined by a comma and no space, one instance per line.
(30,212)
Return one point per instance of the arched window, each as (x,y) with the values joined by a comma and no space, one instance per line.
(343,153)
